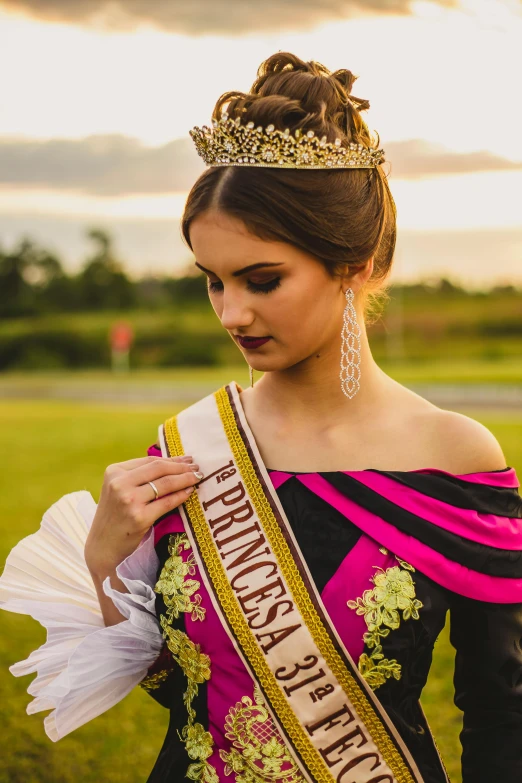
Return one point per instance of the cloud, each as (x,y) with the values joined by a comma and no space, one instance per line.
(111,165)
(116,165)
(417,158)
(209,17)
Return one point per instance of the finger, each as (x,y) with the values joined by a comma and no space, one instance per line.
(132,464)
(166,485)
(163,505)
(156,470)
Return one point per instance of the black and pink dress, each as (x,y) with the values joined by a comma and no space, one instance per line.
(391,553)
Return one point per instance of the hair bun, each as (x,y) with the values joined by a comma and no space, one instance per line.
(286,61)
(346,79)
(293,93)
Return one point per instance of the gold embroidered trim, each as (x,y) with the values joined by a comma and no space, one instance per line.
(302,597)
(153,681)
(177,591)
(196,668)
(364,707)
(393,593)
(259,753)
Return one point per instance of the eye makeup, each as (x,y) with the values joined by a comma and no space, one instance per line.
(255,288)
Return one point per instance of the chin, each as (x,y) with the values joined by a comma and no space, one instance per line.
(268,365)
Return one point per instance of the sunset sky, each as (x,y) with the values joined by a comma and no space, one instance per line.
(96,100)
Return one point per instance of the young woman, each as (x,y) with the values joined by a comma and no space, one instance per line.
(277,570)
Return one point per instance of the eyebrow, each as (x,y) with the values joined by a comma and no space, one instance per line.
(245,269)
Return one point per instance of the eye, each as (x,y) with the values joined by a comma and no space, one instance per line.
(256,288)
(264,288)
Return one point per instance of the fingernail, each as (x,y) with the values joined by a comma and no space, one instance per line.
(189,490)
(187,458)
(193,466)
(198,474)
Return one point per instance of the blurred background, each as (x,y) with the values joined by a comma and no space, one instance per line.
(106,329)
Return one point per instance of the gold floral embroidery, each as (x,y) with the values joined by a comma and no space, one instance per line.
(394,592)
(199,745)
(179,596)
(258,754)
(196,668)
(194,664)
(176,589)
(154,681)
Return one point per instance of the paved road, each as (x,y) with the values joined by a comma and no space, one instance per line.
(452,396)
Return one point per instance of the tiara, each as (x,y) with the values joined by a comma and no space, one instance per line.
(228,143)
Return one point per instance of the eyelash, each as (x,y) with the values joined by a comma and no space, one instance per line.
(255,288)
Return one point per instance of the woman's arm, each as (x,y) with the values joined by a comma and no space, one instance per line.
(88,575)
(126,511)
(111,616)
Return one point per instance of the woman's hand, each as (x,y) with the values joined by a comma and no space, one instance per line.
(128,508)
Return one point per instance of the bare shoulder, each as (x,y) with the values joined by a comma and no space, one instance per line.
(444,438)
(466,444)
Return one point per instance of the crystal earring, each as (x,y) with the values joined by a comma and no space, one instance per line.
(351,344)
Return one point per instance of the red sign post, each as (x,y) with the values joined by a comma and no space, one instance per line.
(121,338)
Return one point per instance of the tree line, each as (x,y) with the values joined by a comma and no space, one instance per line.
(33,282)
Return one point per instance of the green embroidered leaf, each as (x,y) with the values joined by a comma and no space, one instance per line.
(393,593)
(190,586)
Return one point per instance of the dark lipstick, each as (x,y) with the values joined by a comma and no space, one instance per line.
(251,342)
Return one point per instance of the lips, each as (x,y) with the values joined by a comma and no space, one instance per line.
(252,342)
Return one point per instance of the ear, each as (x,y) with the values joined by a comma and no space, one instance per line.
(357,280)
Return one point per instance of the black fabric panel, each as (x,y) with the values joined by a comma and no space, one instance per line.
(479,557)
(173,760)
(484,498)
(168,690)
(323,534)
(488,688)
(411,645)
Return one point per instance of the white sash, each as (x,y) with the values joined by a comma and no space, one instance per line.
(331,721)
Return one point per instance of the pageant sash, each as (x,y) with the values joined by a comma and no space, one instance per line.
(333,725)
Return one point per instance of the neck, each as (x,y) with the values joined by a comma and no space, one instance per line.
(311,390)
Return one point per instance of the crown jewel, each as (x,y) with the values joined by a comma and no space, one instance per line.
(229,143)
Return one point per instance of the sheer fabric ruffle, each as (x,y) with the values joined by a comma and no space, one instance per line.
(84,667)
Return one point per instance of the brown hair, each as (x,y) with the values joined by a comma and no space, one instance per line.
(342,216)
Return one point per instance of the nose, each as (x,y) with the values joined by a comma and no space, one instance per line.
(235,312)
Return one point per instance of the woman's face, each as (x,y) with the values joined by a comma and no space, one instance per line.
(289,296)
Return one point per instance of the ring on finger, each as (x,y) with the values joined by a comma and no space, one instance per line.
(154,487)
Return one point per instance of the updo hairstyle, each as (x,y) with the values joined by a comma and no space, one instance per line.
(343,217)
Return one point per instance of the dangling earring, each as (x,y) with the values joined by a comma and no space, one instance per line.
(251,375)
(351,344)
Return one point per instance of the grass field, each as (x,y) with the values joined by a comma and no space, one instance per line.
(507,370)
(51,448)
(414,327)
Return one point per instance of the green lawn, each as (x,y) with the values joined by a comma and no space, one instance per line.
(51,448)
(507,370)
